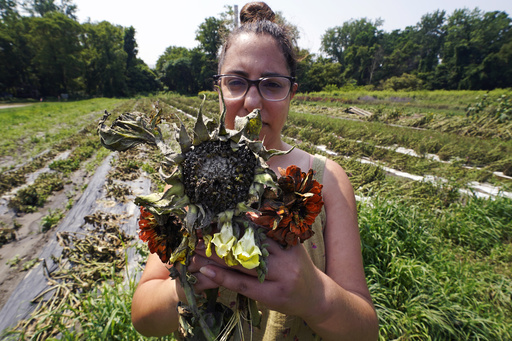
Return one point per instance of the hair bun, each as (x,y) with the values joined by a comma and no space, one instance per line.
(256,11)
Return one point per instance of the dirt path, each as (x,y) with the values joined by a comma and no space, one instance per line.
(5,106)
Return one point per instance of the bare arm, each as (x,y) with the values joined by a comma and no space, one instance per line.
(346,295)
(155,300)
(157,295)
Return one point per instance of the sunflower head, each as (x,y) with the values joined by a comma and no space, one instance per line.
(220,169)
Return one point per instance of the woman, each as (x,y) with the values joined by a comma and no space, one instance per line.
(312,290)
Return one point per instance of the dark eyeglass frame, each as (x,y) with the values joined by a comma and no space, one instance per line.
(257,82)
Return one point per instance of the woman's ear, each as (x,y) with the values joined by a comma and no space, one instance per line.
(295,87)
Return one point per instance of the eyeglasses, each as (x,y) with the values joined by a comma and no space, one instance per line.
(275,88)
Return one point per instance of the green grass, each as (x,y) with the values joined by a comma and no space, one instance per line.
(105,314)
(457,99)
(30,198)
(29,130)
(427,283)
(364,139)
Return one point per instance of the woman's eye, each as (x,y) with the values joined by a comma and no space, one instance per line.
(236,83)
(271,84)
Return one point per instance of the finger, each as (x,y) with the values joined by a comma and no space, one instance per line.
(203,283)
(275,247)
(238,282)
(197,261)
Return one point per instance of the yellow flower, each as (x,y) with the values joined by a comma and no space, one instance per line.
(246,251)
(230,259)
(208,241)
(224,239)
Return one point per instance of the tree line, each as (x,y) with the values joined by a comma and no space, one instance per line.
(49,53)
(46,52)
(469,49)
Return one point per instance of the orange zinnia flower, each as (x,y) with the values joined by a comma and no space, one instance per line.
(162,239)
(291,214)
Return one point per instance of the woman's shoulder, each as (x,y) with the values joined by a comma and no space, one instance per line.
(295,156)
(335,176)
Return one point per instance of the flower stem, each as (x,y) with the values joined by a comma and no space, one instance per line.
(192,302)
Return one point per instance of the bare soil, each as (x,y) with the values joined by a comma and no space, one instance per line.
(30,239)
(20,284)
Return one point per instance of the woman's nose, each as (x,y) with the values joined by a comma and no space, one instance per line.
(253,99)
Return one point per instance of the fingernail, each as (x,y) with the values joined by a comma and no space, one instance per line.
(207,272)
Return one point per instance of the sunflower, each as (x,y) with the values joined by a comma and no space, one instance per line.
(219,175)
(162,238)
(291,213)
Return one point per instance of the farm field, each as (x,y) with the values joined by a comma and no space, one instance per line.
(432,172)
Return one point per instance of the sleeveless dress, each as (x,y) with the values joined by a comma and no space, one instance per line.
(275,325)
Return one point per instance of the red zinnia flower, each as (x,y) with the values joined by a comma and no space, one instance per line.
(162,239)
(291,214)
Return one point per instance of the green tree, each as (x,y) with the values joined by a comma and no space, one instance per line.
(8,9)
(400,50)
(139,77)
(414,50)
(333,44)
(15,54)
(430,38)
(209,36)
(495,38)
(473,40)
(54,42)
(186,71)
(356,46)
(42,7)
(130,47)
(305,61)
(321,73)
(105,59)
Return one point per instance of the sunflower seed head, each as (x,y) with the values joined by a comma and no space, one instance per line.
(216,176)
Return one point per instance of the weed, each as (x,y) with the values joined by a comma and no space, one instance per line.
(51,219)
(30,264)
(6,236)
(29,198)
(14,261)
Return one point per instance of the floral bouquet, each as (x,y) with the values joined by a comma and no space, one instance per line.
(220,190)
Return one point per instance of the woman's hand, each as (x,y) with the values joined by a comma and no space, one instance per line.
(289,287)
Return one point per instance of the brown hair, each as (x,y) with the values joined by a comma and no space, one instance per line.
(258,18)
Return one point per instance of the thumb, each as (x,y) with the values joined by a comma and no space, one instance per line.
(233,280)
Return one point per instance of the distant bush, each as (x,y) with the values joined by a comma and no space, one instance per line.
(405,82)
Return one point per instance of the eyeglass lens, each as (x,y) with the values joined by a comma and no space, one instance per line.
(271,88)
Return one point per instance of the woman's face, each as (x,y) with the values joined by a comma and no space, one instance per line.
(255,56)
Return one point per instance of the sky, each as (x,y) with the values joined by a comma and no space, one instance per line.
(163,23)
